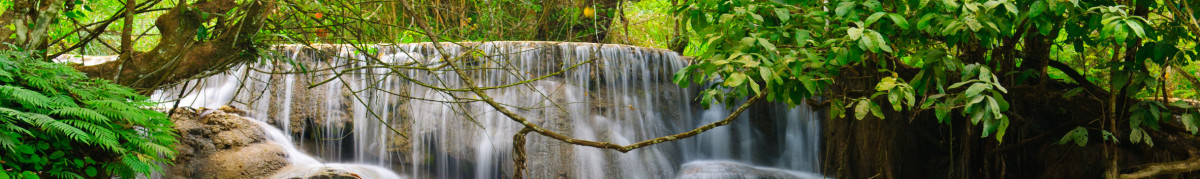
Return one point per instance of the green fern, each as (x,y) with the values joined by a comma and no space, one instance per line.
(54,121)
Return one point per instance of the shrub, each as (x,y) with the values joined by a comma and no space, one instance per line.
(56,122)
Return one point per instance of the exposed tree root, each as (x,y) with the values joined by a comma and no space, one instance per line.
(1175,167)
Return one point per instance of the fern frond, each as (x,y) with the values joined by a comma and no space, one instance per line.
(62,101)
(84,94)
(70,131)
(158,149)
(101,104)
(8,143)
(100,136)
(14,128)
(24,96)
(39,83)
(37,120)
(83,113)
(7,115)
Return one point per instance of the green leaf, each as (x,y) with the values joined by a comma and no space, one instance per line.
(681,77)
(854,33)
(1012,8)
(1067,137)
(1135,136)
(880,43)
(843,8)
(899,20)
(894,98)
(943,111)
(90,171)
(995,107)
(783,14)
(874,18)
(735,79)
(1002,130)
(1081,136)
(923,23)
(802,37)
(973,24)
(861,109)
(1037,7)
(1109,136)
(1136,27)
(56,155)
(886,84)
(30,175)
(975,89)
(767,75)
(766,44)
(877,111)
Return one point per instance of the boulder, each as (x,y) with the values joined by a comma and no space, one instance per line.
(222,144)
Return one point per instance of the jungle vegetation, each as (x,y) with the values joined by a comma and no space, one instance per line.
(999,88)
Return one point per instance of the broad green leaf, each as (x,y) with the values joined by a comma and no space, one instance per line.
(843,8)
(1067,137)
(861,109)
(1012,8)
(995,107)
(766,44)
(735,79)
(874,18)
(868,43)
(754,86)
(1135,136)
(1081,138)
(880,43)
(802,37)
(90,171)
(894,98)
(877,111)
(899,20)
(854,33)
(1136,27)
(943,111)
(975,89)
(885,84)
(923,23)
(783,14)
(1002,130)
(973,24)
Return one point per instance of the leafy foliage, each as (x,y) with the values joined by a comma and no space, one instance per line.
(55,122)
(947,56)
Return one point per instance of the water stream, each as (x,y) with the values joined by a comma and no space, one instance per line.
(354,106)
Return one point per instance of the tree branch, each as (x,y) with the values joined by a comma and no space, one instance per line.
(1075,76)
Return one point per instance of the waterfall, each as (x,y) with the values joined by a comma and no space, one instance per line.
(355,105)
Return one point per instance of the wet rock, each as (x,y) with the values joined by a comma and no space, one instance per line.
(222,144)
(252,161)
(331,174)
(734,170)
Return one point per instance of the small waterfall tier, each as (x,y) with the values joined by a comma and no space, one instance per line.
(400,107)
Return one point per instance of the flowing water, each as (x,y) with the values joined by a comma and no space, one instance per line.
(368,105)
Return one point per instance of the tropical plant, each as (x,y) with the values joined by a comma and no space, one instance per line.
(55,122)
(958,60)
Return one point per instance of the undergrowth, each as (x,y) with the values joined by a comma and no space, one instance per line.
(55,122)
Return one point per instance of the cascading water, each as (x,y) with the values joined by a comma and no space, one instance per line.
(355,105)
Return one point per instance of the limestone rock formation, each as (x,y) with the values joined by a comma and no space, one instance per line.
(221,144)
